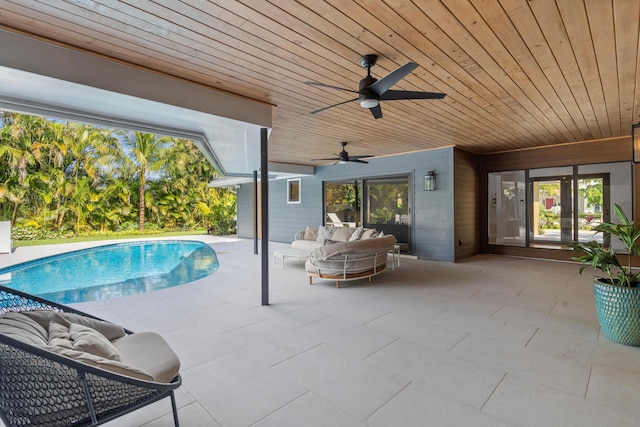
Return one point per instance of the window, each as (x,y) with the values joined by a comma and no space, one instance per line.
(293,190)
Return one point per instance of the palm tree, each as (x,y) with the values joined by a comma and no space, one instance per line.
(147,152)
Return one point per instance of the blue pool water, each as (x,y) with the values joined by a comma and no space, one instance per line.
(112,270)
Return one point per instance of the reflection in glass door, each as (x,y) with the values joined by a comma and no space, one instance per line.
(564,210)
(507,208)
(593,199)
(551,211)
(387,207)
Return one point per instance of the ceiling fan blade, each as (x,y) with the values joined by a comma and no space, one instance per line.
(358,161)
(330,158)
(360,157)
(376,111)
(329,86)
(334,105)
(383,85)
(394,95)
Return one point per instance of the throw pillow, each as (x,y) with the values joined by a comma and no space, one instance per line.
(310,233)
(368,234)
(86,339)
(356,234)
(342,234)
(323,234)
(381,233)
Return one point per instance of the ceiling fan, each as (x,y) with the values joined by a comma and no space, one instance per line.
(344,157)
(371,90)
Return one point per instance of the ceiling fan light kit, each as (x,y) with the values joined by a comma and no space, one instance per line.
(371,90)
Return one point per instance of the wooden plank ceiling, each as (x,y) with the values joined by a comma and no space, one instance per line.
(517,73)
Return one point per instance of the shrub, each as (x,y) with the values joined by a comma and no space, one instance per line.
(19,232)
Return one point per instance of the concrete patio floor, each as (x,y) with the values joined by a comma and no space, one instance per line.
(492,341)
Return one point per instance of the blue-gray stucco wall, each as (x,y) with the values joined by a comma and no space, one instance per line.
(432,211)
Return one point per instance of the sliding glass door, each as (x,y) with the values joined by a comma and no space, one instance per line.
(566,209)
(387,207)
(381,203)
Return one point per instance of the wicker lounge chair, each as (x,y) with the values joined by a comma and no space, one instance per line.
(39,387)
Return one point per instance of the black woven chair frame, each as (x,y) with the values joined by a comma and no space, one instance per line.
(42,388)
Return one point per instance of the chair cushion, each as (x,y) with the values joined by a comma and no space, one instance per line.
(110,330)
(82,338)
(150,351)
(18,326)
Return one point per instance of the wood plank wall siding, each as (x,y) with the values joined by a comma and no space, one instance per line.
(466,203)
(601,151)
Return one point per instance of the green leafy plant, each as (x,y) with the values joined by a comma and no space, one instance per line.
(603,258)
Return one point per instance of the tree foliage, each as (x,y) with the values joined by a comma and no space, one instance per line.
(77,178)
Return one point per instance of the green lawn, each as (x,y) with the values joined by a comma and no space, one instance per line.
(20,243)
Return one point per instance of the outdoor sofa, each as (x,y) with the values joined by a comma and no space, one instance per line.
(62,367)
(344,253)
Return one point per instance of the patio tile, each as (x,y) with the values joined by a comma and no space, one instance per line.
(270,343)
(439,337)
(615,387)
(239,389)
(440,372)
(349,337)
(559,371)
(355,386)
(311,411)
(417,405)
(526,403)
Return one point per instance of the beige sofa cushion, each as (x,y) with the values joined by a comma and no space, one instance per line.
(310,233)
(157,359)
(342,234)
(368,233)
(359,246)
(102,363)
(306,245)
(357,232)
(324,233)
(43,317)
(18,326)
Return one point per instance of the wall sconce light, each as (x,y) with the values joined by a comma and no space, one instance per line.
(635,138)
(430,179)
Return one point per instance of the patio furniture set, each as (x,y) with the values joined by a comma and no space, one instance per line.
(341,253)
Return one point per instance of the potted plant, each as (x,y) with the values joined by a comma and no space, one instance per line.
(617,295)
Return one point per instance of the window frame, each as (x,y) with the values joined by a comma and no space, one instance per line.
(290,183)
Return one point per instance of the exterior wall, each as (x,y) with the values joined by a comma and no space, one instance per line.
(285,219)
(467,204)
(432,224)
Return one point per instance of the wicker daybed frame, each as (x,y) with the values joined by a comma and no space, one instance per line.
(41,388)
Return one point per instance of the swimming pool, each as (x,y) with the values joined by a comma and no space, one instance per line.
(111,271)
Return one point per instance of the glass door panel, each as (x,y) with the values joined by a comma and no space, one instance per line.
(507,208)
(387,207)
(551,216)
(591,207)
(342,203)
